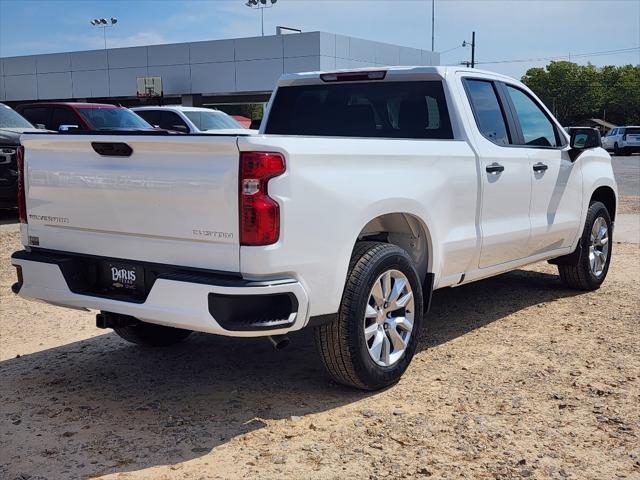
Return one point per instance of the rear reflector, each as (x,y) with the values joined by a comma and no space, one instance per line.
(22,204)
(259,213)
(353,76)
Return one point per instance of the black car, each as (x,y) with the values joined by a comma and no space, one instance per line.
(11,126)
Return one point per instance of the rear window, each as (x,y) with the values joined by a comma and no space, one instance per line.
(632,131)
(362,109)
(112,118)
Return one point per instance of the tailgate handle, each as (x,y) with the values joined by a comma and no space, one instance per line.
(112,149)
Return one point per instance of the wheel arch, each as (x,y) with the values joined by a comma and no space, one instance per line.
(409,232)
(607,196)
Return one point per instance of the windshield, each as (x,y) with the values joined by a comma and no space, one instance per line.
(9,118)
(212,120)
(112,118)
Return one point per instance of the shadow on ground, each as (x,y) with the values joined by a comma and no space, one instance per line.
(100,405)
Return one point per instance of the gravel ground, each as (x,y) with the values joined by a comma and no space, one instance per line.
(515,377)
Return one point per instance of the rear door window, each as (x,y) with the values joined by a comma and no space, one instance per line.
(410,110)
(172,121)
(487,111)
(64,116)
(37,115)
(151,116)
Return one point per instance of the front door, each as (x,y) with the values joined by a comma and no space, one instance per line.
(556,200)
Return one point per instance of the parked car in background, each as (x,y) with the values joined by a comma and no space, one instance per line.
(244,121)
(12,125)
(190,119)
(65,116)
(622,140)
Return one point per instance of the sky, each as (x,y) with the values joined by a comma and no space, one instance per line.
(596,31)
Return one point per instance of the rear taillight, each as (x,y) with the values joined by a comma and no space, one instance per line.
(22,204)
(624,137)
(259,213)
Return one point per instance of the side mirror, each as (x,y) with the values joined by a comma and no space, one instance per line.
(583,139)
(255,124)
(40,126)
(68,128)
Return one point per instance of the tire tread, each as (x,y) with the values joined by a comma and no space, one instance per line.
(576,275)
(332,339)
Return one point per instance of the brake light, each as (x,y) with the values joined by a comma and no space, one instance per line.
(259,213)
(624,137)
(22,204)
(353,76)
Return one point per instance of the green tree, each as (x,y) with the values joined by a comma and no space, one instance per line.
(579,92)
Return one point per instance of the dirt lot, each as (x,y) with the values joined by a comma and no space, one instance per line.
(516,377)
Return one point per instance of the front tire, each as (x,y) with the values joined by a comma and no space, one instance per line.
(152,335)
(591,265)
(371,341)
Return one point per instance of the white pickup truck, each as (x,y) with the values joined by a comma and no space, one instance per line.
(363,192)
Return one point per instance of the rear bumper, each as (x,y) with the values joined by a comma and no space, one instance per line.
(213,303)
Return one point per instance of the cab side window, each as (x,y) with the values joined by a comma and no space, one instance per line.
(151,116)
(537,128)
(37,115)
(64,116)
(172,121)
(488,111)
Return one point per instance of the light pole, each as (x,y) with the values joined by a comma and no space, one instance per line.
(103,23)
(433,22)
(472,43)
(261,5)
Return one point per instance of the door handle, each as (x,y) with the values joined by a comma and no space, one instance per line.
(540,167)
(494,168)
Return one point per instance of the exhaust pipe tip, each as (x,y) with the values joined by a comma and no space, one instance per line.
(279,342)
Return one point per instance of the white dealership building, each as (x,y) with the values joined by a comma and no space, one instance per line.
(236,70)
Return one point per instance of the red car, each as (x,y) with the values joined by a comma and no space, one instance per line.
(81,116)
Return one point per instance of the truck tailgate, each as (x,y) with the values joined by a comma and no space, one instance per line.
(173,200)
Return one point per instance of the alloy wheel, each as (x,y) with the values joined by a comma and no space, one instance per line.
(598,246)
(388,318)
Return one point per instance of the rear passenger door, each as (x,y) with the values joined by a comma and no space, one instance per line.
(505,175)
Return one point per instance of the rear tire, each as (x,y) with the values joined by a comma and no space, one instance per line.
(372,339)
(152,335)
(591,265)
